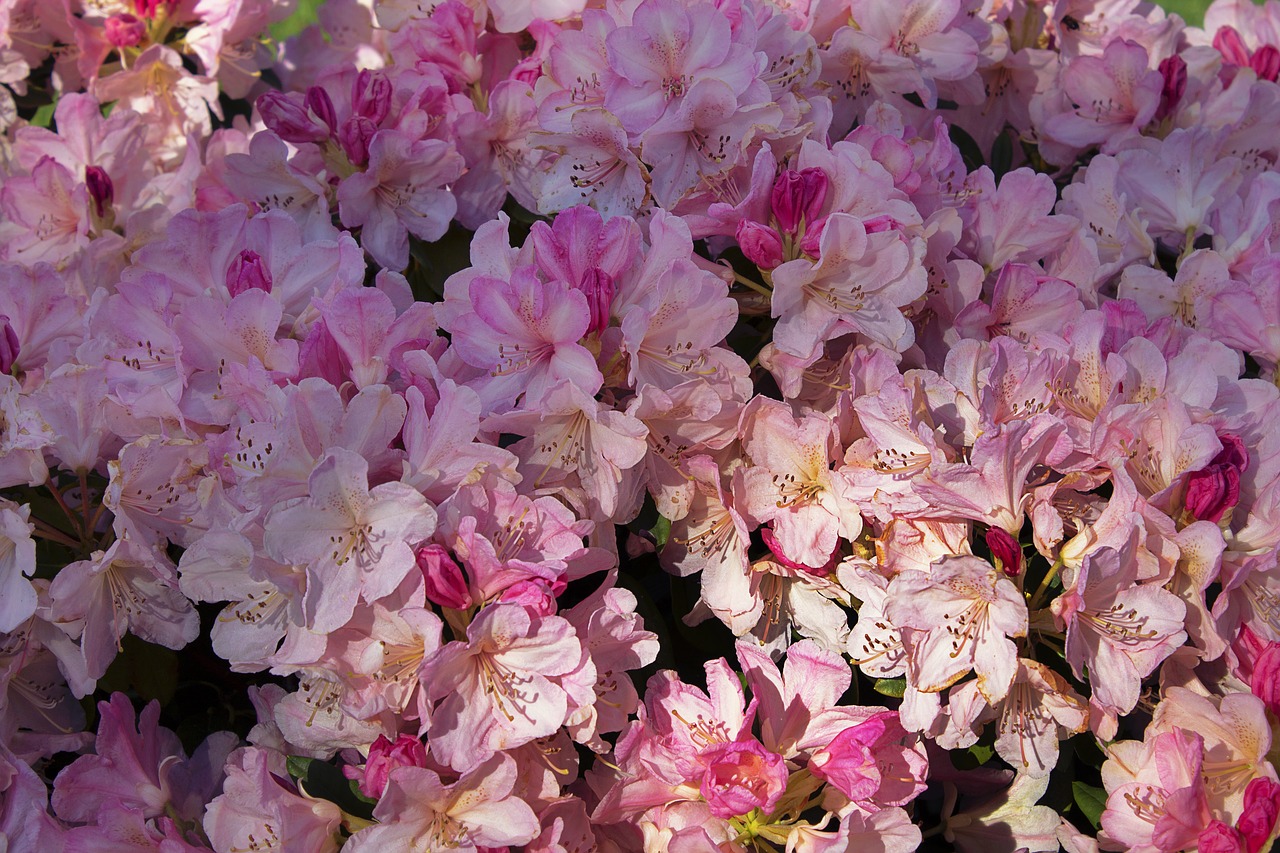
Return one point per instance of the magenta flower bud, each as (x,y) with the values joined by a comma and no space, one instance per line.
(797,198)
(599,289)
(1264,682)
(742,776)
(124,30)
(1217,837)
(1006,550)
(445,584)
(1227,41)
(535,595)
(1173,72)
(385,756)
(371,95)
(317,100)
(355,135)
(1214,489)
(1265,62)
(150,8)
(1261,808)
(289,117)
(811,242)
(9,345)
(248,270)
(761,244)
(101,190)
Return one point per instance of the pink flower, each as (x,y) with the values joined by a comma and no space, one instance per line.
(742,776)
(1119,629)
(1220,838)
(258,806)
(1155,794)
(849,762)
(401,193)
(962,614)
(516,678)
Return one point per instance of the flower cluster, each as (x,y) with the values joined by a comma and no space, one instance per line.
(660,425)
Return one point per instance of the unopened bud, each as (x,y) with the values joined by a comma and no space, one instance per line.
(289,117)
(445,584)
(246,272)
(318,102)
(371,95)
(124,30)
(1265,62)
(797,197)
(1227,41)
(9,345)
(385,756)
(1173,73)
(1006,550)
(101,190)
(355,135)
(761,244)
(599,289)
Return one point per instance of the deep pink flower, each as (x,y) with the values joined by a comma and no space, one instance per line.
(384,757)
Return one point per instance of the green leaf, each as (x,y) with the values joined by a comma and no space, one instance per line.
(1091,801)
(893,687)
(297,766)
(325,781)
(303,16)
(969,150)
(149,670)
(661,531)
(44,116)
(1001,155)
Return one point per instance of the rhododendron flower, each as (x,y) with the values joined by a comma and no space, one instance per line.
(960,617)
(516,678)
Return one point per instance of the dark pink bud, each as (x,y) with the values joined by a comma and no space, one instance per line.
(1006,550)
(1211,492)
(288,116)
(318,102)
(1264,682)
(355,135)
(247,271)
(761,244)
(1261,807)
(742,776)
(445,584)
(533,594)
(877,224)
(797,198)
(1214,489)
(528,70)
(1233,452)
(1228,42)
(1265,62)
(371,95)
(811,242)
(385,756)
(150,8)
(1173,73)
(599,289)
(1217,837)
(101,190)
(9,345)
(124,30)
(771,542)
